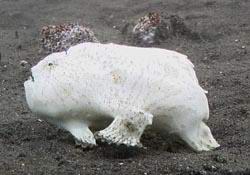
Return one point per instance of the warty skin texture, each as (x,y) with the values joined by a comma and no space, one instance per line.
(136,87)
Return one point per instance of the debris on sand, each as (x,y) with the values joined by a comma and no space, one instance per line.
(56,38)
(154,28)
(23,62)
(220,159)
(149,28)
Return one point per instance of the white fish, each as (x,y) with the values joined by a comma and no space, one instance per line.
(135,87)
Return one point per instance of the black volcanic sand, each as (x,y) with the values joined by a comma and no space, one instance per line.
(221,58)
